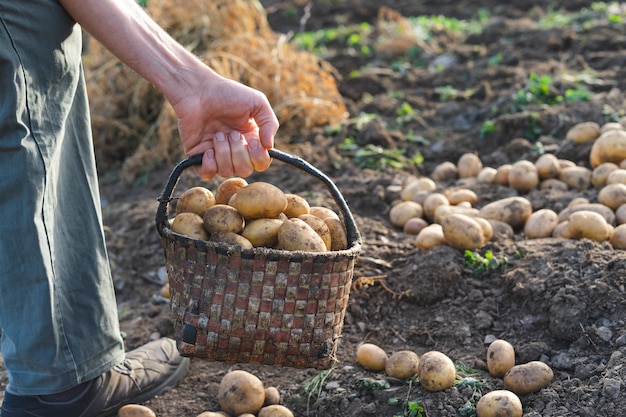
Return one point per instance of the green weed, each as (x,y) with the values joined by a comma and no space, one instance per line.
(484,263)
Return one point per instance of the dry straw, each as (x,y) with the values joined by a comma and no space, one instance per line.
(135,126)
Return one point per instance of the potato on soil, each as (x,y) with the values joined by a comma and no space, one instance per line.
(231,238)
(190,225)
(609,147)
(323,212)
(272,396)
(228,188)
(576,178)
(223,218)
(469,165)
(500,357)
(553,184)
(499,403)
(462,232)
(583,132)
(213,414)
(462,195)
(502,174)
(444,210)
(501,230)
(262,232)
(296,205)
(487,175)
(403,211)
(275,410)
(611,126)
(617,176)
(338,234)
(561,230)
(240,392)
(618,238)
(321,228)
(600,174)
(414,225)
(195,200)
(612,195)
(135,410)
(402,364)
(296,235)
(620,215)
(431,203)
(547,166)
(371,356)
(436,371)
(430,236)
(601,209)
(445,171)
(259,200)
(541,224)
(523,176)
(485,225)
(528,377)
(512,210)
(417,185)
(588,224)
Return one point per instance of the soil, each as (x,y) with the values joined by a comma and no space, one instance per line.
(555,300)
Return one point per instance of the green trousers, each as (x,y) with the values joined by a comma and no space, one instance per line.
(58,312)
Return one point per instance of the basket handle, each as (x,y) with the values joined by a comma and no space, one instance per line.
(352,231)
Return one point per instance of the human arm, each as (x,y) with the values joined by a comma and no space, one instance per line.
(231,124)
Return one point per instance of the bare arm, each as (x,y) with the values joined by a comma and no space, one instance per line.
(232,124)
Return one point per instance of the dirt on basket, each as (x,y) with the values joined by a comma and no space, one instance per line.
(560,301)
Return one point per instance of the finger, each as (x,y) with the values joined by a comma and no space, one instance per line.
(259,156)
(223,156)
(208,169)
(240,156)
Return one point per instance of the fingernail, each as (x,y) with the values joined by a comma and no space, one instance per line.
(254,144)
(220,137)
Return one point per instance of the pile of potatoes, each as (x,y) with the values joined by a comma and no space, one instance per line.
(438,216)
(434,369)
(257,214)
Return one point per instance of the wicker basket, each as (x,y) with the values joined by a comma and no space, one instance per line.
(260,305)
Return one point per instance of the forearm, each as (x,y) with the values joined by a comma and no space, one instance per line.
(129,33)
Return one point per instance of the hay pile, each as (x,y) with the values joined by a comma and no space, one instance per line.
(134,125)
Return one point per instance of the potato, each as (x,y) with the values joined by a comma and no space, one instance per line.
(296,205)
(190,225)
(469,165)
(609,147)
(600,173)
(414,225)
(262,232)
(500,230)
(195,200)
(135,410)
(566,163)
(523,176)
(502,174)
(547,166)
(583,132)
(500,357)
(541,224)
(601,209)
(620,215)
(512,210)
(231,238)
(577,177)
(297,235)
(588,224)
(611,126)
(528,377)
(371,356)
(433,201)
(259,200)
(617,176)
(338,235)
(553,184)
(561,230)
(240,392)
(612,195)
(436,371)
(445,171)
(320,227)
(462,232)
(444,210)
(417,185)
(499,403)
(213,414)
(223,218)
(462,195)
(430,236)
(485,225)
(403,211)
(402,364)
(577,201)
(275,410)
(323,212)
(487,175)
(272,396)
(228,188)
(618,238)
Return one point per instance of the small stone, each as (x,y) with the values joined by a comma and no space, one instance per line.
(611,388)
(604,333)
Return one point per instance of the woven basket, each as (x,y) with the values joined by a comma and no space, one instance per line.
(260,305)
